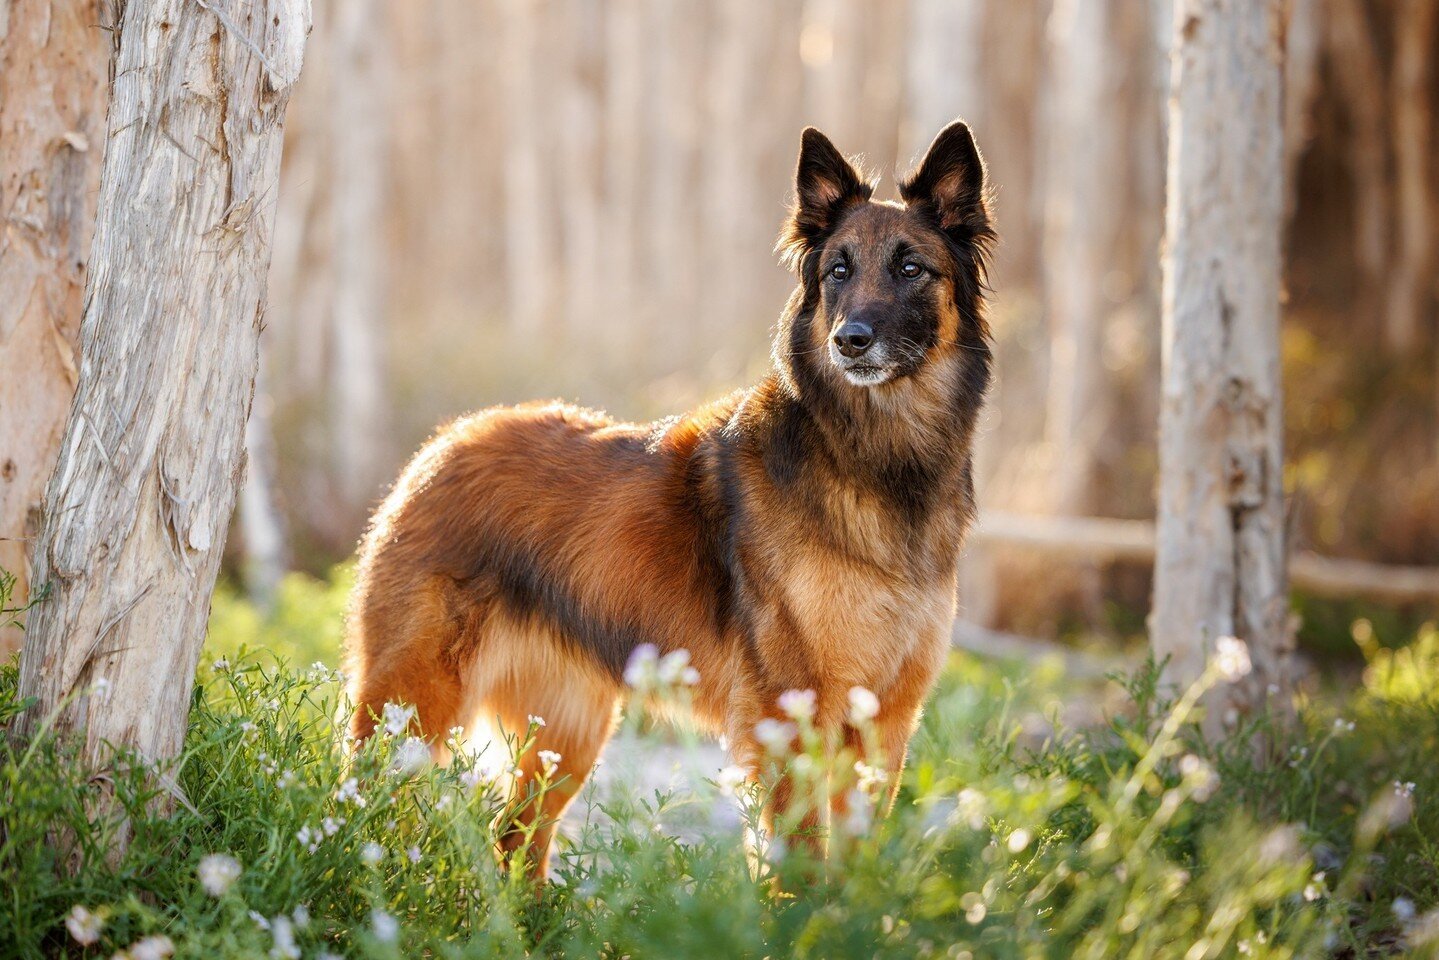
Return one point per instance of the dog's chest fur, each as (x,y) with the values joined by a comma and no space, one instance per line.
(847,586)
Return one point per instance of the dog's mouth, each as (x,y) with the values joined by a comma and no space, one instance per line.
(870,369)
(863,374)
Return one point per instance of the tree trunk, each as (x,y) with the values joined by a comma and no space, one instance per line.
(357,138)
(54,60)
(581,38)
(1360,83)
(624,160)
(262,530)
(531,220)
(945,72)
(1412,104)
(136,511)
(1303,46)
(1084,201)
(1220,568)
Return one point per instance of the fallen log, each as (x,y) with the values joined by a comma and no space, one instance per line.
(1105,540)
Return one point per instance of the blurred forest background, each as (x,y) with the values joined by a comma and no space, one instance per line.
(487,201)
(579,198)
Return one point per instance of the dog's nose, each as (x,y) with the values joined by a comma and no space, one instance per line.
(853,338)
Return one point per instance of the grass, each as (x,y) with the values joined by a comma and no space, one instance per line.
(1014,835)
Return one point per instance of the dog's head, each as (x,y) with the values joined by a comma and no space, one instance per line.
(886,288)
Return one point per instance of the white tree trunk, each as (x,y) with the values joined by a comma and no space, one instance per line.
(624,168)
(357,139)
(262,530)
(136,511)
(54,63)
(581,45)
(1303,46)
(530,214)
(945,78)
(1085,191)
(1220,568)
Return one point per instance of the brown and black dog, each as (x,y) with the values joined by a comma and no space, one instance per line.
(803,533)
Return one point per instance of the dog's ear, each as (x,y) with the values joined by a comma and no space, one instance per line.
(950,181)
(824,185)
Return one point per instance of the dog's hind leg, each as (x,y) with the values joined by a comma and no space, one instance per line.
(402,648)
(538,683)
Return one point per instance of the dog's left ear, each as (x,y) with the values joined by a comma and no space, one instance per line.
(951,181)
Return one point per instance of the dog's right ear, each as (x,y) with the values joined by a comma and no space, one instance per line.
(825,184)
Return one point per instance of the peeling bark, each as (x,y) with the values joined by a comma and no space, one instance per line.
(136,511)
(54,64)
(1220,568)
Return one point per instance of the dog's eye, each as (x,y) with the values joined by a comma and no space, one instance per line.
(839,272)
(910,270)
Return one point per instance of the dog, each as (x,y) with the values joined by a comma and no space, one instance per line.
(800,534)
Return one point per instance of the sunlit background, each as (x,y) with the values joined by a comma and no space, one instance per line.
(487,201)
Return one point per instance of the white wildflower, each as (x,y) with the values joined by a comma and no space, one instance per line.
(1018,840)
(397,718)
(308,838)
(83,925)
(870,777)
(1200,775)
(550,760)
(413,854)
(371,853)
(331,826)
(971,807)
(218,872)
(301,916)
(101,688)
(1404,790)
(260,920)
(1403,909)
(1343,726)
(156,947)
(286,779)
(673,667)
(641,672)
(483,773)
(797,704)
(731,779)
(349,792)
(411,755)
(863,705)
(385,927)
(283,933)
(222,665)
(1231,658)
(776,735)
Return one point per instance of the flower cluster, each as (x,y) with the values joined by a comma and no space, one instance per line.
(648,672)
(396,718)
(1231,659)
(218,872)
(798,704)
(84,926)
